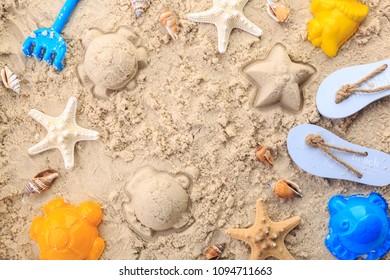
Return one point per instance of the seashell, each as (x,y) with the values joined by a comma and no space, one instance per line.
(10,80)
(278,12)
(214,252)
(263,153)
(41,182)
(168,19)
(140,6)
(286,189)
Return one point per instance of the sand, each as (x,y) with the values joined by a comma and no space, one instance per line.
(191,112)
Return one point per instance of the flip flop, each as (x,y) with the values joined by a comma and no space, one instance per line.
(326,95)
(374,166)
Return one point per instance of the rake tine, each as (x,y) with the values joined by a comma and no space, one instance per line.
(48,57)
(58,61)
(38,52)
(28,46)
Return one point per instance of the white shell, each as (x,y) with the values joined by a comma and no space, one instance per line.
(140,6)
(10,80)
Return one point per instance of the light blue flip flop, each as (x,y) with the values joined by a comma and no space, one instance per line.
(372,165)
(327,92)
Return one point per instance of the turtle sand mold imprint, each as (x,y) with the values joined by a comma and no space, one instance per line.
(112,60)
(159,203)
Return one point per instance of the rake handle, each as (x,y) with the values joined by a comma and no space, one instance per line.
(64,15)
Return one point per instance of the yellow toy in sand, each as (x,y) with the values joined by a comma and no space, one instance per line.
(335,21)
(68,232)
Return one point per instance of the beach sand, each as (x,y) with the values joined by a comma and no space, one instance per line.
(191,112)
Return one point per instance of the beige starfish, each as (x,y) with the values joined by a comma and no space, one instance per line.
(279,78)
(266,237)
(63,133)
(226,15)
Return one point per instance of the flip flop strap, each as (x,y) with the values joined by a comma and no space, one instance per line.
(347,90)
(317,141)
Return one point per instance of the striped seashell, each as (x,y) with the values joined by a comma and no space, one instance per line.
(140,6)
(10,80)
(214,252)
(41,182)
(168,19)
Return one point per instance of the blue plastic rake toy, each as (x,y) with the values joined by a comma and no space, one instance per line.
(47,43)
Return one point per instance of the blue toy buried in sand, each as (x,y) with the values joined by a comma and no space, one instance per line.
(358,227)
(47,43)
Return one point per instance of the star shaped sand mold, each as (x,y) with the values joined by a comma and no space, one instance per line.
(226,15)
(63,133)
(265,237)
(279,79)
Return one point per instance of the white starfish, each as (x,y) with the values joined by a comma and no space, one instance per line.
(226,15)
(63,133)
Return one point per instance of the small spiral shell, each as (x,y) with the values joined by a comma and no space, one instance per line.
(264,154)
(41,182)
(10,80)
(214,252)
(140,6)
(168,19)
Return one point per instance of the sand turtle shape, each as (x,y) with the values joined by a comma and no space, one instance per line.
(68,232)
(159,203)
(359,227)
(111,61)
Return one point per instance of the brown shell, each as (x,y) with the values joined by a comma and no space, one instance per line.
(214,252)
(286,189)
(263,153)
(278,12)
(41,182)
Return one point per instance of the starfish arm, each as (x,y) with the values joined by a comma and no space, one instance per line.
(259,255)
(301,72)
(224,32)
(257,72)
(204,17)
(242,234)
(67,151)
(268,95)
(83,134)
(282,253)
(241,4)
(40,117)
(44,145)
(261,212)
(248,26)
(288,225)
(69,114)
(291,97)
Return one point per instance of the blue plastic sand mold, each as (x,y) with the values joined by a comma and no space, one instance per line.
(358,227)
(47,43)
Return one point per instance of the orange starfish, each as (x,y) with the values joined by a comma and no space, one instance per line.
(266,237)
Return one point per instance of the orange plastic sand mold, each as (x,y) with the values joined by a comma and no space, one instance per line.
(68,232)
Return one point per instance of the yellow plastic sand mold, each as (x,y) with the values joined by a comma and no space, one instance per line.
(334,22)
